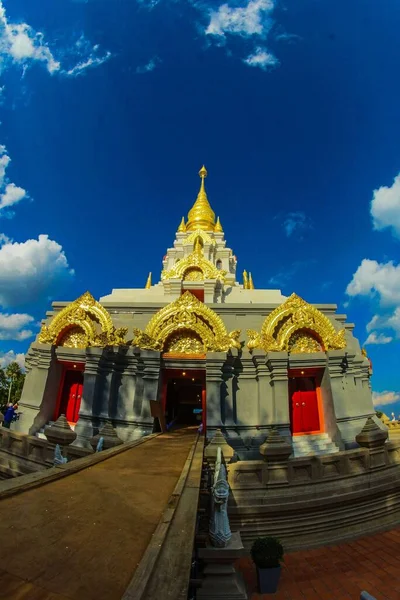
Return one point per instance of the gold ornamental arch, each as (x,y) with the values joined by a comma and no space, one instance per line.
(194,262)
(84,322)
(187,326)
(296,326)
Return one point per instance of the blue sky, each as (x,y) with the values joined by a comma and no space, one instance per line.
(109,108)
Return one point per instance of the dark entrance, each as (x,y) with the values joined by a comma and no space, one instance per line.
(184,398)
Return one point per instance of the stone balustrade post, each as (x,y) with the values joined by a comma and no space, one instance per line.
(109,435)
(59,433)
(374,438)
(218,441)
(275,452)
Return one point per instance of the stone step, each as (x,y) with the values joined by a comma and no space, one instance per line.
(313,445)
(324,453)
(311,436)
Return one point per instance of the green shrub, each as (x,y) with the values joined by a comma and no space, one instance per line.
(267,552)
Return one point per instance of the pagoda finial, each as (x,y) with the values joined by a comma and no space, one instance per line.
(251,284)
(218,227)
(182,226)
(245,281)
(201,215)
(148,282)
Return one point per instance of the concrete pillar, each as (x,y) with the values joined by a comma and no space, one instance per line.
(277,363)
(228,392)
(151,375)
(92,395)
(209,290)
(214,368)
(351,409)
(265,394)
(126,404)
(39,395)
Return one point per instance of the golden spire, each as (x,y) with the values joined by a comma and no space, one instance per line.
(148,282)
(218,226)
(251,284)
(182,226)
(201,215)
(245,281)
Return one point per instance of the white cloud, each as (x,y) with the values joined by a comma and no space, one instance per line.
(385,207)
(92,61)
(21,44)
(252,19)
(296,223)
(384,398)
(375,279)
(13,326)
(378,338)
(9,192)
(30,269)
(8,357)
(261,58)
(150,66)
(379,281)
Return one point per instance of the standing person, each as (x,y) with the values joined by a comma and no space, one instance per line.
(8,416)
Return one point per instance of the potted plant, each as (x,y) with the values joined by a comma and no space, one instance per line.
(267,554)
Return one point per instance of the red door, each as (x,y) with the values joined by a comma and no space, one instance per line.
(304,405)
(71,395)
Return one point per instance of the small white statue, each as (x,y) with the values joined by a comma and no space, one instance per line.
(393,417)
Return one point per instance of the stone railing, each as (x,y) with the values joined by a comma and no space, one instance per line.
(315,500)
(21,454)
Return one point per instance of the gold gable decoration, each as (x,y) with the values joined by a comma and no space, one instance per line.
(194,261)
(76,326)
(201,328)
(296,326)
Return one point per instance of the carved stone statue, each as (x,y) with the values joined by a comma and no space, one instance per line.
(220,532)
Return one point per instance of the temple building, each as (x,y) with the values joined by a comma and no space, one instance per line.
(200,347)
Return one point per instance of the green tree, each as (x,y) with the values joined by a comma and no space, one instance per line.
(379,413)
(11,384)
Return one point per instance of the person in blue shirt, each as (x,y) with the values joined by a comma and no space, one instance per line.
(9,415)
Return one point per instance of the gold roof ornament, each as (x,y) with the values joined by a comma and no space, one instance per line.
(198,247)
(289,327)
(201,215)
(218,227)
(245,280)
(182,226)
(251,283)
(148,282)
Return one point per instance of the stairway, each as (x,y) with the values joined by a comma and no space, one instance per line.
(311,445)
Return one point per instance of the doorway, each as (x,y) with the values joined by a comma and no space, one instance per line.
(304,398)
(183,400)
(71,395)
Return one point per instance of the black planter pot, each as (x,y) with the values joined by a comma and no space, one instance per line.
(268,580)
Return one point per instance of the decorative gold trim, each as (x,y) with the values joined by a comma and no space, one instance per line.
(148,282)
(293,315)
(84,313)
(198,233)
(187,313)
(194,259)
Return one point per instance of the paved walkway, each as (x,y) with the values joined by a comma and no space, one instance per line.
(341,572)
(82,537)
